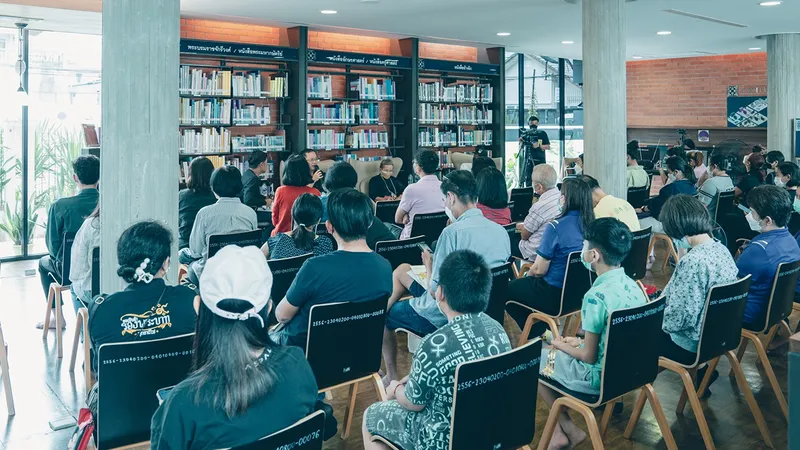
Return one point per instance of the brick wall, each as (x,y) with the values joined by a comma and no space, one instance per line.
(449,52)
(349,43)
(689,92)
(213,30)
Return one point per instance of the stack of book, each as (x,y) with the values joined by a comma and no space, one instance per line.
(367,139)
(434,137)
(326,139)
(472,138)
(250,114)
(449,114)
(436,92)
(204,82)
(206,140)
(247,85)
(339,113)
(474,93)
(205,112)
(260,142)
(320,86)
(374,88)
(369,113)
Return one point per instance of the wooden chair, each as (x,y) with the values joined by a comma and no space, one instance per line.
(630,364)
(401,251)
(719,336)
(82,325)
(6,374)
(637,197)
(501,275)
(54,294)
(305,434)
(242,239)
(724,204)
(781,302)
(635,264)
(670,248)
(132,372)
(344,348)
(577,281)
(284,271)
(385,210)
(429,225)
(523,199)
(95,272)
(472,424)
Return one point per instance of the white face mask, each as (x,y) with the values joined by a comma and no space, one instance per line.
(448,211)
(755,225)
(779,182)
(671,177)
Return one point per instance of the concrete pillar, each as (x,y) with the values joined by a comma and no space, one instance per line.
(604,101)
(783,88)
(139,156)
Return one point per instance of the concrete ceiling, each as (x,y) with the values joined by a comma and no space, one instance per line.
(536,26)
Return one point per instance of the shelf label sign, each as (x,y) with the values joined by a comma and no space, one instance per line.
(458,66)
(359,59)
(747,112)
(237,50)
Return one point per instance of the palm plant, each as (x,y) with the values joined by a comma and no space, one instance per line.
(6,166)
(14,221)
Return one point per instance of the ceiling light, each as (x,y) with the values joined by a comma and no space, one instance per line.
(328,11)
(664,33)
(637,57)
(504,33)
(770,3)
(369,1)
(752,49)
(567,42)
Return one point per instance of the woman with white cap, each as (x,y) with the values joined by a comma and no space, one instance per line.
(243,386)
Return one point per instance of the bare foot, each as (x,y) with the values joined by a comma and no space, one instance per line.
(40,325)
(559,441)
(575,435)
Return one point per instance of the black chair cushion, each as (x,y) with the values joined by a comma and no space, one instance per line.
(585,398)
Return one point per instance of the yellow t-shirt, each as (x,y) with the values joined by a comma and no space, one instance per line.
(610,206)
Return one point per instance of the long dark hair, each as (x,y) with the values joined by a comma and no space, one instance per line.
(200,171)
(677,163)
(578,197)
(306,212)
(297,172)
(492,188)
(224,351)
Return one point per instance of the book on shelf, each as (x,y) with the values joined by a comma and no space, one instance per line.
(454,114)
(244,114)
(367,139)
(205,112)
(374,88)
(474,93)
(206,140)
(260,142)
(199,81)
(472,138)
(320,86)
(436,92)
(338,113)
(259,85)
(434,137)
(368,113)
(277,86)
(326,140)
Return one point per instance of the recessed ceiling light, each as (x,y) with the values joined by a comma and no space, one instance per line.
(664,33)
(328,11)
(504,33)
(770,3)
(369,1)
(567,42)
(637,57)
(752,49)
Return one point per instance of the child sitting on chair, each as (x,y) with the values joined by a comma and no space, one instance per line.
(577,363)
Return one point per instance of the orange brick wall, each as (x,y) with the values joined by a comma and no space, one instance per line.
(348,43)
(430,50)
(213,30)
(689,92)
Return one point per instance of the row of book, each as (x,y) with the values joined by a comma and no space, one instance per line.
(205,112)
(449,114)
(195,81)
(434,137)
(474,93)
(339,140)
(374,88)
(367,139)
(467,93)
(337,113)
(320,86)
(325,139)
(472,138)
(250,114)
(259,142)
(254,84)
(206,140)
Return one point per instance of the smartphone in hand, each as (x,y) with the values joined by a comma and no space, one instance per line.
(423,246)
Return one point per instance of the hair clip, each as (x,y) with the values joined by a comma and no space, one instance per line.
(141,275)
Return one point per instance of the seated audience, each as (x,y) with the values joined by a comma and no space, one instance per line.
(306,213)
(385,186)
(755,168)
(242,386)
(772,158)
(418,412)
(719,181)
(353,273)
(480,162)
(680,152)
(67,215)
(770,209)
(143,258)
(422,197)
(317,176)
(541,288)
(251,181)
(609,206)
(493,196)
(196,196)
(227,215)
(343,176)
(682,181)
(787,176)
(295,181)
(696,162)
(544,180)
(80,271)
(469,231)
(637,176)
(578,363)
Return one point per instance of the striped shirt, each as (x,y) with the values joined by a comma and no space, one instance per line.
(227,215)
(540,214)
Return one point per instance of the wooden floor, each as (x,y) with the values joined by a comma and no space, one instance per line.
(44,390)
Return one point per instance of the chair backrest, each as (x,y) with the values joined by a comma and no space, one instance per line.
(782,296)
(577,282)
(283,272)
(429,225)
(501,275)
(401,251)
(514,237)
(386,209)
(95,271)
(631,358)
(638,196)
(242,239)
(510,379)
(523,199)
(724,204)
(305,434)
(635,264)
(66,256)
(132,372)
(722,326)
(344,340)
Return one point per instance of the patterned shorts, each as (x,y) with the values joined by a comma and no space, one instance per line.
(393,423)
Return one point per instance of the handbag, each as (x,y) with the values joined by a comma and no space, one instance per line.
(83,436)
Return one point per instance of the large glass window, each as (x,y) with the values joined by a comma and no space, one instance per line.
(573,114)
(11,214)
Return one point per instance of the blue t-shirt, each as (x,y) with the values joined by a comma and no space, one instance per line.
(760,259)
(336,277)
(561,237)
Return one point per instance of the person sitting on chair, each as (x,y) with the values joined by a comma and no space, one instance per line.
(242,386)
(577,363)
(353,273)
(681,181)
(773,158)
(719,181)
(493,196)
(787,176)
(251,181)
(80,271)
(480,162)
(637,176)
(468,230)
(609,206)
(422,197)
(385,186)
(418,412)
(196,196)
(544,210)
(296,180)
(303,239)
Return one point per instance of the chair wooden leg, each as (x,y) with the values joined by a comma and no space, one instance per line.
(762,355)
(59,324)
(76,338)
(6,375)
(591,423)
(739,353)
(688,386)
(550,426)
(606,417)
(770,336)
(712,366)
(46,328)
(751,401)
(379,389)
(658,411)
(526,330)
(685,395)
(349,411)
(87,351)
(637,412)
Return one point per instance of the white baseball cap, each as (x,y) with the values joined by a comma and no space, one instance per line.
(238,273)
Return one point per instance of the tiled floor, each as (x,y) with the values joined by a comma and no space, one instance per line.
(44,390)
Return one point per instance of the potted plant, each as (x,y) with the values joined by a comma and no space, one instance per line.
(13,222)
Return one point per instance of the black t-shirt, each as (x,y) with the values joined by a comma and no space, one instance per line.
(140,313)
(251,190)
(182,423)
(537,154)
(380,187)
(189,203)
(747,184)
(378,232)
(336,277)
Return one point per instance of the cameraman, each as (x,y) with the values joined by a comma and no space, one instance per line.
(534,142)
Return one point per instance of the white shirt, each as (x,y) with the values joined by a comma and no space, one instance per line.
(80,271)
